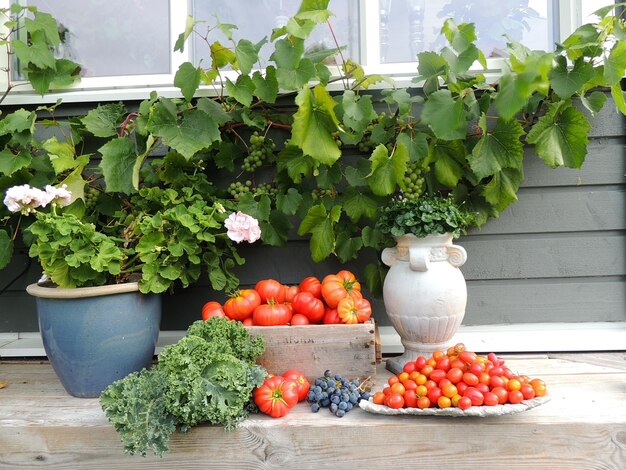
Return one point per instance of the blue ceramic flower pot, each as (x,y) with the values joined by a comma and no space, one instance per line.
(95,336)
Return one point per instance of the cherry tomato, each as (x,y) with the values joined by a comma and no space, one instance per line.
(539,386)
(443,364)
(421,391)
(409,367)
(502,394)
(438,354)
(528,392)
(271,315)
(437,375)
(491,399)
(394,400)
(495,381)
(420,362)
(470,379)
(455,375)
(313,285)
(464,403)
(423,402)
(474,395)
(410,399)
(212,309)
(402,376)
(270,290)
(434,394)
(449,390)
(241,304)
(515,397)
(298,319)
(410,385)
(513,384)
(398,388)
(378,398)
(352,310)
(444,402)
(309,306)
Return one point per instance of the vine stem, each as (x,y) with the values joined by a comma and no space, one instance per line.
(344,80)
(124,124)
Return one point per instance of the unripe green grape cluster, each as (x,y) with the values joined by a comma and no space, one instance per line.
(367,144)
(414,181)
(261,149)
(319,193)
(238,189)
(91,198)
(266,188)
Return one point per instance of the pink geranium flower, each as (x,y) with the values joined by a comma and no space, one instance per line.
(242,227)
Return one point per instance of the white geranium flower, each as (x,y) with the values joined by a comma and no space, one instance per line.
(242,227)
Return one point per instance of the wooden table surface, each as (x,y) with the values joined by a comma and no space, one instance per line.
(582,427)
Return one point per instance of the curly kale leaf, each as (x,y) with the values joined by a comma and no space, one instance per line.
(231,337)
(135,405)
(205,383)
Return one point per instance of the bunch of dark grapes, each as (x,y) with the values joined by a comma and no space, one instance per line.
(319,193)
(261,149)
(238,189)
(91,198)
(337,394)
(414,181)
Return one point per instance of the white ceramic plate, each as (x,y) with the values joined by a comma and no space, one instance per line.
(477,411)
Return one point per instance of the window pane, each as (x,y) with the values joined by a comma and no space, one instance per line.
(113,37)
(588,7)
(255,20)
(412,26)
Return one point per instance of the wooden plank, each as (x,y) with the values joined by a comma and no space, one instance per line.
(564,209)
(544,255)
(545,300)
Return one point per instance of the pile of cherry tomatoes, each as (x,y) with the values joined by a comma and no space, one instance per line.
(336,299)
(457,378)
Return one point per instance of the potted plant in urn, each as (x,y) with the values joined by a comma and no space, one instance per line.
(424,291)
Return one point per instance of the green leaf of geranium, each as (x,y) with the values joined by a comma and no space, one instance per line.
(118,160)
(501,148)
(445,115)
(501,191)
(448,157)
(6,248)
(566,82)
(387,170)
(188,133)
(187,78)
(105,119)
(357,205)
(266,88)
(313,125)
(560,136)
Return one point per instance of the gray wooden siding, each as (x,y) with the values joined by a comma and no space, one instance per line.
(557,255)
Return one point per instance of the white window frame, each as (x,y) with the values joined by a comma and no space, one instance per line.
(116,88)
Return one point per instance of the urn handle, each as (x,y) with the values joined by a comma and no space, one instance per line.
(419,258)
(457,256)
(389,256)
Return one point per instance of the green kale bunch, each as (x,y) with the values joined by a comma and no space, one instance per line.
(207,377)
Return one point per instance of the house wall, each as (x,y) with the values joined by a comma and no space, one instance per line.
(557,255)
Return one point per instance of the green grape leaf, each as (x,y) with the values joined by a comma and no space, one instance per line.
(594,101)
(615,64)
(105,119)
(313,124)
(318,56)
(247,55)
(18,121)
(118,160)
(314,10)
(190,23)
(430,66)
(214,110)
(289,202)
(566,82)
(445,116)
(62,154)
(188,133)
(347,247)
(258,207)
(357,175)
(297,77)
(387,170)
(321,225)
(560,136)
(187,78)
(45,23)
(501,191)
(225,156)
(461,37)
(372,237)
(619,97)
(6,248)
(513,94)
(10,162)
(374,278)
(357,205)
(287,54)
(299,28)
(585,41)
(498,149)
(295,163)
(227,29)
(75,183)
(266,88)
(275,231)
(417,145)
(358,111)
(63,74)
(401,98)
(449,157)
(37,53)
(242,90)
(221,55)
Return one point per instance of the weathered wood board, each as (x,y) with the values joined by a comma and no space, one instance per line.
(582,427)
(349,350)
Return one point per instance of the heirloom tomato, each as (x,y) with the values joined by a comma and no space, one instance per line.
(241,304)
(313,285)
(331,317)
(270,290)
(298,320)
(271,314)
(339,286)
(309,306)
(290,292)
(276,396)
(212,309)
(300,380)
(352,310)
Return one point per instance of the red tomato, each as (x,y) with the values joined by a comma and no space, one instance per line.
(528,392)
(313,285)
(212,309)
(290,292)
(420,362)
(335,288)
(308,305)
(271,315)
(393,400)
(443,364)
(331,317)
(409,367)
(248,322)
(502,394)
(270,290)
(423,402)
(298,320)
(300,380)
(241,304)
(437,375)
(515,397)
(434,394)
(491,399)
(474,395)
(470,379)
(464,403)
(276,396)
(410,399)
(455,375)
(352,310)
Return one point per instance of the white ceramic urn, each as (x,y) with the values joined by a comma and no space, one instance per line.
(424,294)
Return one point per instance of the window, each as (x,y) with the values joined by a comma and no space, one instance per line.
(126,46)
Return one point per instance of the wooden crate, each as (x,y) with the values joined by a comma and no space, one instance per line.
(350,350)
